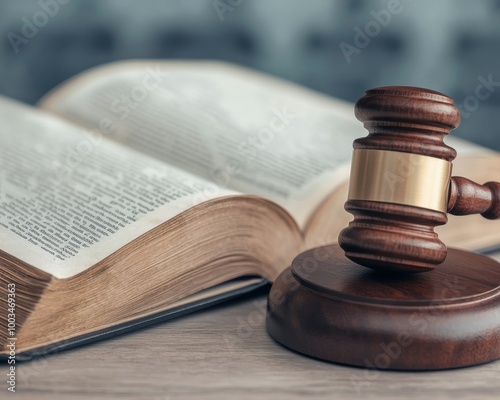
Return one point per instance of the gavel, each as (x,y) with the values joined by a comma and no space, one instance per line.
(401,186)
(329,306)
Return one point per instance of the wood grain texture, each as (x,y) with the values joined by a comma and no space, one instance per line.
(226,353)
(401,237)
(467,197)
(393,237)
(328,307)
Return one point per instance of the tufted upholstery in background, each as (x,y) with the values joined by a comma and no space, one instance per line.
(447,45)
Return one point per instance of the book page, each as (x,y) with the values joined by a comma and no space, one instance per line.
(235,128)
(68,198)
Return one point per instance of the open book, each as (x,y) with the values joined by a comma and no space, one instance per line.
(142,189)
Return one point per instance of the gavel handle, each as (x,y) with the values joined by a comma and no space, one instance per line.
(467,197)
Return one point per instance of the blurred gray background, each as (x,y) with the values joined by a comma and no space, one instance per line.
(451,46)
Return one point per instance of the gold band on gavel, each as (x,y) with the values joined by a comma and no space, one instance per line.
(400,178)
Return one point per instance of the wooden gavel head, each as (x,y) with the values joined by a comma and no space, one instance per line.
(401,186)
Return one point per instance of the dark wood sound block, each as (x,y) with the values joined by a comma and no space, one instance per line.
(328,307)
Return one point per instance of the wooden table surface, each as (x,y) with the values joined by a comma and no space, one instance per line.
(225,353)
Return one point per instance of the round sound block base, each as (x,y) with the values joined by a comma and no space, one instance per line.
(328,307)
